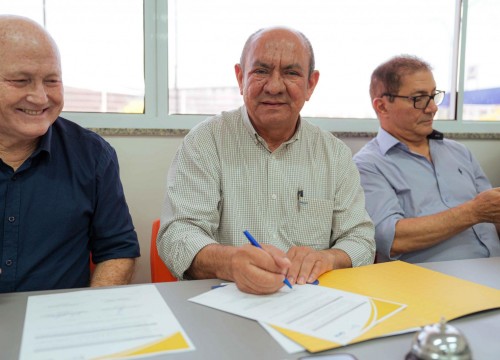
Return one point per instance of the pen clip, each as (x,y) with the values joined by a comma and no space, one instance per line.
(300,196)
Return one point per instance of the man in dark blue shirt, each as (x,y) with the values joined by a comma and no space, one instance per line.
(60,193)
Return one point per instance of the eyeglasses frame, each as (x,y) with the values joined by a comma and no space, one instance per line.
(415,98)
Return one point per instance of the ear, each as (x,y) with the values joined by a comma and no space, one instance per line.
(379,105)
(239,76)
(311,83)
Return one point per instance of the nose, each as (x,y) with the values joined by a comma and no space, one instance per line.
(37,93)
(431,107)
(275,83)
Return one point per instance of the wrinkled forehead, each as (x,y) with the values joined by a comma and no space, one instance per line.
(417,81)
(282,46)
(278,45)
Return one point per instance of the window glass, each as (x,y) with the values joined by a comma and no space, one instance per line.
(482,73)
(350,38)
(101,44)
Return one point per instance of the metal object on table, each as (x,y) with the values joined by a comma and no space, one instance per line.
(439,341)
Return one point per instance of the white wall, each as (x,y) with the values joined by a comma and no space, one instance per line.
(144,161)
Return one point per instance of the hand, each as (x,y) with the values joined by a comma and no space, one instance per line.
(308,264)
(259,271)
(487,206)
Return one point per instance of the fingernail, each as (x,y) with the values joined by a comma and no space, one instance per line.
(301,280)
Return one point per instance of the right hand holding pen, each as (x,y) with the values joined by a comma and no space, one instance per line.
(259,271)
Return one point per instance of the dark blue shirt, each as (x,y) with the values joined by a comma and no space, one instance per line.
(65,201)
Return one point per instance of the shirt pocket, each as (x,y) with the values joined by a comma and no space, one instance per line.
(311,224)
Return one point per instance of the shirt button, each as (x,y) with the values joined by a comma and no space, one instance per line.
(14,178)
(8,262)
(12,219)
(274,197)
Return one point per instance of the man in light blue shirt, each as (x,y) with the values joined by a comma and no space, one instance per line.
(428,197)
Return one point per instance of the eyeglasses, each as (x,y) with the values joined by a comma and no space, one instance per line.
(421,101)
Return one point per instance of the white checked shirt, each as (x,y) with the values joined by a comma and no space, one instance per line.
(224,180)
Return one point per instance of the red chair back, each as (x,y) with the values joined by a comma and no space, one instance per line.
(159,271)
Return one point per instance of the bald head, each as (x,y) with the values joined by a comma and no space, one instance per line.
(31,90)
(265,31)
(23,33)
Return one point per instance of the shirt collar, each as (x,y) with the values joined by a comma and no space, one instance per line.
(435,135)
(248,125)
(44,144)
(246,121)
(386,141)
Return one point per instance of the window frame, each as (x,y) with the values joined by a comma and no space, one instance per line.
(157,116)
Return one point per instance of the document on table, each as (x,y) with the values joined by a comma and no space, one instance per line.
(117,323)
(315,311)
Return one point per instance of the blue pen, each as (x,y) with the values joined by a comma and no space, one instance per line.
(256,244)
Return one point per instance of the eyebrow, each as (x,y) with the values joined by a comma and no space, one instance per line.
(260,64)
(267,66)
(23,73)
(293,66)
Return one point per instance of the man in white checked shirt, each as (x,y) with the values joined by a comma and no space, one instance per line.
(264,169)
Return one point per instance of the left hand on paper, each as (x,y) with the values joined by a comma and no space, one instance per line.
(308,264)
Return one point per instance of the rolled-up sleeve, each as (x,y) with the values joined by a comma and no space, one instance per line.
(190,215)
(352,228)
(112,231)
(382,205)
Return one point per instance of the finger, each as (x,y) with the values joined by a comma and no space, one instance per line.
(315,272)
(314,264)
(308,263)
(293,271)
(296,256)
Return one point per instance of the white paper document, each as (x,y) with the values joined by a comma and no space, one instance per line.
(118,323)
(321,312)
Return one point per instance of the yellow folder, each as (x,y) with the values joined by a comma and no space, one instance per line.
(429,296)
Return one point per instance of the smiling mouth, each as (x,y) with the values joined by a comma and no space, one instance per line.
(272,103)
(32,112)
